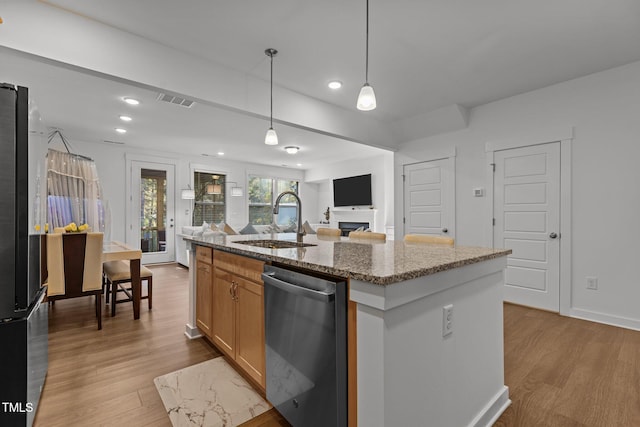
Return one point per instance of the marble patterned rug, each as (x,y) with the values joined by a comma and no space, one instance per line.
(209,394)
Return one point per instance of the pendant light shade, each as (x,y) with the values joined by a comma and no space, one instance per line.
(214,186)
(214,189)
(366,98)
(271,138)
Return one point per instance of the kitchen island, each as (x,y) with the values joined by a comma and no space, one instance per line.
(428,324)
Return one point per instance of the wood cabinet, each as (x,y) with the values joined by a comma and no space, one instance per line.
(204,289)
(237,323)
(223,319)
(250,340)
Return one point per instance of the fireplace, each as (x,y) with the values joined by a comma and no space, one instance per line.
(349,226)
(363,217)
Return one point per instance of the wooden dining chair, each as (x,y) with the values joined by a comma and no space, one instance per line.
(74,267)
(427,238)
(323,231)
(370,235)
(117,275)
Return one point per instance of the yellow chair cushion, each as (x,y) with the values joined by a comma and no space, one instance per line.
(118,271)
(427,238)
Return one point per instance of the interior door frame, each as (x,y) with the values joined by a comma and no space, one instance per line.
(565,138)
(448,154)
(132,217)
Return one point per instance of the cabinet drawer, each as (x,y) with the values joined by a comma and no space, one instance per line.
(204,254)
(240,265)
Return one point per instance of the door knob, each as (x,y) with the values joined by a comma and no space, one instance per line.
(445,230)
(553,235)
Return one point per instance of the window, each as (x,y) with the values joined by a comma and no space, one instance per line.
(210,201)
(262,193)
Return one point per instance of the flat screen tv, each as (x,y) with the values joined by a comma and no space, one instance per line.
(352,191)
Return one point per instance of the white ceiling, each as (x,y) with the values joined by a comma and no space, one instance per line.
(424,55)
(87,108)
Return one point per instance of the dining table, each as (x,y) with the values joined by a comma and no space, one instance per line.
(118,251)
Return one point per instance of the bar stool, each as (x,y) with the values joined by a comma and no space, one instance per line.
(335,232)
(116,274)
(368,235)
(426,238)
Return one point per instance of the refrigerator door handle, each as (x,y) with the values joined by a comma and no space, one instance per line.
(36,306)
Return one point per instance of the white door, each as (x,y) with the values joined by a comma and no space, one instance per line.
(527,220)
(151,222)
(429,198)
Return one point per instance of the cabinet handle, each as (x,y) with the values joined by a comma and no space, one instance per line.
(233,291)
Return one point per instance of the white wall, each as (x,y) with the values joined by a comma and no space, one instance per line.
(604,110)
(381,169)
(111,164)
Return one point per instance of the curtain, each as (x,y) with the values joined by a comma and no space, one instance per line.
(74,193)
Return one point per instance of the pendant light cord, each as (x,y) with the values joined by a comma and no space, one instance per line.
(366,73)
(271,117)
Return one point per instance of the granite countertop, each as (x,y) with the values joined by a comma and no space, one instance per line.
(374,262)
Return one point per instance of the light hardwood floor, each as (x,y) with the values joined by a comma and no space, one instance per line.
(569,373)
(561,372)
(105,378)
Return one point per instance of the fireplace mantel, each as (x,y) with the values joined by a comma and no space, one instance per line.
(356,215)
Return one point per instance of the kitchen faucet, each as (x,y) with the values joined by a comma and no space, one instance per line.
(276,207)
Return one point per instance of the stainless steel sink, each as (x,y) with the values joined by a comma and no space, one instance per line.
(275,244)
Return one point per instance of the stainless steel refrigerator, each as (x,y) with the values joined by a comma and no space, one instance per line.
(23,316)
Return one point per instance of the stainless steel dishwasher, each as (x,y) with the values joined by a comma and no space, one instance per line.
(306,354)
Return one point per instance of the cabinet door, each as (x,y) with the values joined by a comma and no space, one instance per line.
(223,318)
(250,346)
(203,297)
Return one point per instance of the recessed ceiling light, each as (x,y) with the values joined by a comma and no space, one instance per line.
(131,101)
(335,84)
(291,149)
(120,130)
(220,153)
(125,118)
(299,164)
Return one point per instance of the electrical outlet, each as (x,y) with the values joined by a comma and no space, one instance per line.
(447,320)
(592,282)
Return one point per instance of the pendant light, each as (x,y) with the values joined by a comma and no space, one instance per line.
(214,187)
(271,138)
(367,98)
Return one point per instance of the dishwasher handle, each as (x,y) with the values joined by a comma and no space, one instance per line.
(270,279)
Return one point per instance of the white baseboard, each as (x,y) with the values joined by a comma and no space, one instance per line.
(607,319)
(191,332)
(490,413)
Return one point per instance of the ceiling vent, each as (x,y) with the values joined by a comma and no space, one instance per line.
(175,100)
(106,141)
